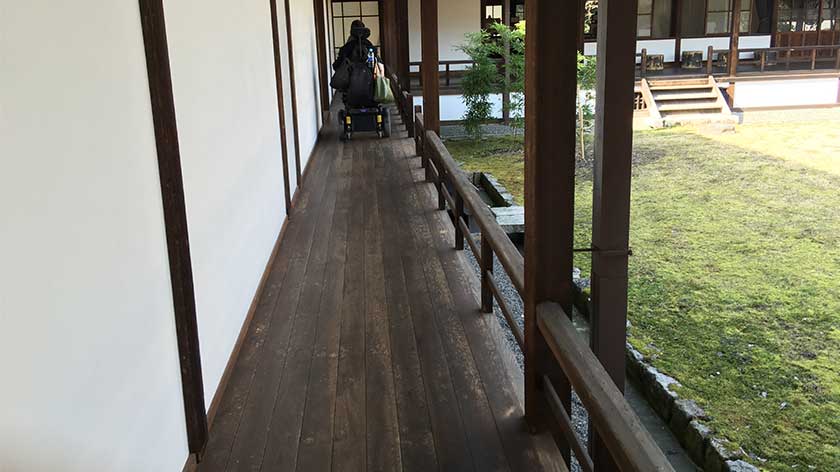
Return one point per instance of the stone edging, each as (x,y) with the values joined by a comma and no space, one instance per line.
(684,417)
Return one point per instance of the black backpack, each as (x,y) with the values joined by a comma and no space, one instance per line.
(360,91)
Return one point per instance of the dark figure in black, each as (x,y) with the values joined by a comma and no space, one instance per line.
(357,46)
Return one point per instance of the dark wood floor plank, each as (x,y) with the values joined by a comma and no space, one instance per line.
(349,433)
(448,428)
(524,451)
(249,444)
(229,416)
(315,450)
(367,350)
(286,421)
(383,440)
(480,426)
(417,442)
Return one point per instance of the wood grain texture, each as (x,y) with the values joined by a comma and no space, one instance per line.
(175,220)
(368,351)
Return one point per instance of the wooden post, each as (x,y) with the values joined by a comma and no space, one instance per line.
(676,31)
(734,34)
(281,106)
(551,86)
(158,70)
(486,263)
(321,50)
(643,63)
(813,58)
(293,86)
(430,72)
(611,195)
(710,60)
(402,45)
(459,214)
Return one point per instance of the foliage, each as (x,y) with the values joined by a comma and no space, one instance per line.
(499,57)
(479,82)
(733,282)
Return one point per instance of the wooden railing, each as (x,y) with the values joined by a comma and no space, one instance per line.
(405,103)
(620,430)
(447,68)
(763,60)
(808,56)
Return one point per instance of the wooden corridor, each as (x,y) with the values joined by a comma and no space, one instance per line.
(367,350)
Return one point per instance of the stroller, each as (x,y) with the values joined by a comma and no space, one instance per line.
(354,79)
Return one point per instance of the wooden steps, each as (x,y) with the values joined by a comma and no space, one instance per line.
(673,102)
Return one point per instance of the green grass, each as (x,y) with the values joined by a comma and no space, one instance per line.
(734,282)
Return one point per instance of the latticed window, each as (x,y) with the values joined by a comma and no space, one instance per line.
(344,13)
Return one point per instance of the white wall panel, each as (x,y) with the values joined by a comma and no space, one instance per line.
(225,98)
(87,336)
(777,93)
(455,19)
(306,76)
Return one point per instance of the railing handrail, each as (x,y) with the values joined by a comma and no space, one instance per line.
(629,442)
(791,48)
(453,62)
(631,446)
(503,247)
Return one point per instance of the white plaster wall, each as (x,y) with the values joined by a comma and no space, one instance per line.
(777,93)
(287,95)
(225,99)
(455,19)
(88,351)
(744,42)
(306,77)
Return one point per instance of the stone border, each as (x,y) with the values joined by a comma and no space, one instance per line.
(684,417)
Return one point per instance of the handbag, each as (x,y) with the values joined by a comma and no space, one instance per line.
(341,78)
(382,92)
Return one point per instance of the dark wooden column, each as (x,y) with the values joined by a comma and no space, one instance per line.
(550,93)
(403,59)
(734,34)
(175,221)
(611,193)
(290,47)
(321,48)
(431,77)
(676,30)
(281,106)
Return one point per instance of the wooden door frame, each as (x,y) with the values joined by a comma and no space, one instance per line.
(153,24)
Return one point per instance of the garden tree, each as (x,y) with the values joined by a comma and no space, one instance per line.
(498,54)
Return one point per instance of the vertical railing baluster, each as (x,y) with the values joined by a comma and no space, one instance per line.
(763,60)
(486,263)
(643,63)
(813,58)
(710,58)
(459,214)
(441,181)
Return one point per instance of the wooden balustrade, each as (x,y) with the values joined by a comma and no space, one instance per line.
(629,443)
(810,56)
(447,68)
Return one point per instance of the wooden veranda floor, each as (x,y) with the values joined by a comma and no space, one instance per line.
(368,350)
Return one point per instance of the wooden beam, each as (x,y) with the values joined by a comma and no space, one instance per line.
(402,53)
(175,221)
(611,193)
(281,106)
(321,49)
(733,37)
(550,104)
(431,82)
(290,47)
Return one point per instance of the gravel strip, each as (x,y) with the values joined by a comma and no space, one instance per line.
(580,419)
(458,131)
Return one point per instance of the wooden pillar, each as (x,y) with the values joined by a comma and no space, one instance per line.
(402,52)
(733,37)
(281,106)
(162,99)
(550,94)
(676,31)
(321,50)
(611,194)
(431,77)
(293,86)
